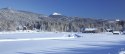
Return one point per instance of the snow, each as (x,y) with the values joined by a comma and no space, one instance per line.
(116,32)
(28,39)
(49,42)
(109,29)
(117,20)
(122,52)
(90,29)
(123,32)
(55,13)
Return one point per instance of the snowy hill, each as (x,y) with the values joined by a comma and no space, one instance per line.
(12,19)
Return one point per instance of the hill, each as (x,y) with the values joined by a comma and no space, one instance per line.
(11,20)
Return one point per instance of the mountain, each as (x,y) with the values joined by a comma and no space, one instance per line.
(11,20)
(12,17)
(55,13)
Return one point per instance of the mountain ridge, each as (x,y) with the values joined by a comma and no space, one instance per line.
(11,20)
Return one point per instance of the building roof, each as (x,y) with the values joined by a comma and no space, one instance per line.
(90,29)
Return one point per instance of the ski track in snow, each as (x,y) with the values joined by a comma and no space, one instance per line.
(30,39)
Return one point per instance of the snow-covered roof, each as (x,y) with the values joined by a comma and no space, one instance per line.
(55,13)
(90,29)
(109,29)
(116,31)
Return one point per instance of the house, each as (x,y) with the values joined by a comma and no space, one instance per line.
(119,32)
(109,30)
(116,32)
(90,30)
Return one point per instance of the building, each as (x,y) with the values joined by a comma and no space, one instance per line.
(109,30)
(90,30)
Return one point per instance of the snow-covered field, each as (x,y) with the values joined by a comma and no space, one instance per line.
(54,42)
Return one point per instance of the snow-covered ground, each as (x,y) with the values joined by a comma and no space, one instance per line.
(54,42)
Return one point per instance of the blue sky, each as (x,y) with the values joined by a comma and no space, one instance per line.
(109,9)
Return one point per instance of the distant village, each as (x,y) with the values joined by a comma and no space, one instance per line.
(118,29)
